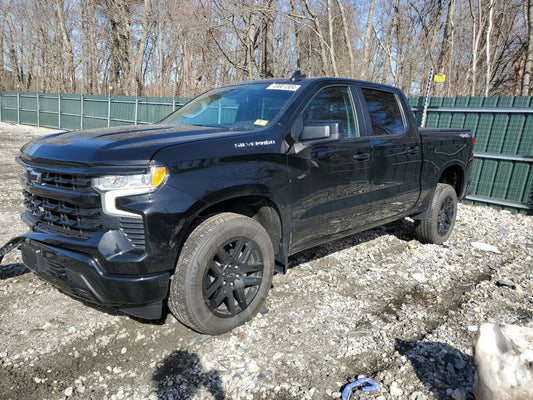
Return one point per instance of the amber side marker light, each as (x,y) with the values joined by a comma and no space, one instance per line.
(159,175)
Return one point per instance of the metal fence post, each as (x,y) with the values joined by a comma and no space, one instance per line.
(1,106)
(109,111)
(18,107)
(59,111)
(426,103)
(136,108)
(38,110)
(81,112)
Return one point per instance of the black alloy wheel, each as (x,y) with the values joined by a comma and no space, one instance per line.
(446,216)
(232,278)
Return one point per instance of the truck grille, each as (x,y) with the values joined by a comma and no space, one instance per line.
(67,205)
(62,218)
(60,180)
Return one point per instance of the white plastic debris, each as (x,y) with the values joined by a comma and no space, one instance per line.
(419,277)
(504,361)
(486,247)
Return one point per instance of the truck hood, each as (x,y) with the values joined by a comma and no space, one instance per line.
(125,145)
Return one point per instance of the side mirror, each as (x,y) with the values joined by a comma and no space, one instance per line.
(323,131)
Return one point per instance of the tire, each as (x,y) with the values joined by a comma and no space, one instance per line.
(440,218)
(223,274)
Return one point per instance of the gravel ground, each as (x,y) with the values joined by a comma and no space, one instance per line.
(378,304)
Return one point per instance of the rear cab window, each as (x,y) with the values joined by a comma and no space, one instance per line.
(385,112)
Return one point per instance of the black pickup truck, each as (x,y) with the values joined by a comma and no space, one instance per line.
(200,210)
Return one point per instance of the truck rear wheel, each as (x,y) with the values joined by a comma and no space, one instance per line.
(438,225)
(223,274)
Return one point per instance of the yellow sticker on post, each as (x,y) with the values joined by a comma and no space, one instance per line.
(261,122)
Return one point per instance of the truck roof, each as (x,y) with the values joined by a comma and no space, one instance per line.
(306,81)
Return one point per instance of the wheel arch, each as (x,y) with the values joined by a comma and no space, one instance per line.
(251,203)
(454,175)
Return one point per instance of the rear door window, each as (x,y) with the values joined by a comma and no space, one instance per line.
(385,112)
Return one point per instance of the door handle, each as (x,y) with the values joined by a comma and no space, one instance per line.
(361,156)
(413,150)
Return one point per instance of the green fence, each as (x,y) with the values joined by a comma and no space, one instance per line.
(503,127)
(502,173)
(62,111)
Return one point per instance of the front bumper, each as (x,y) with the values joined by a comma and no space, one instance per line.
(81,276)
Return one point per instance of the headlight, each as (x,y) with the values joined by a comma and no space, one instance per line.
(150,181)
(113,186)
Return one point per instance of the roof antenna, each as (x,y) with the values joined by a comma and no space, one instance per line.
(297,76)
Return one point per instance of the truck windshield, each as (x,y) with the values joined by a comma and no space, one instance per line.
(252,106)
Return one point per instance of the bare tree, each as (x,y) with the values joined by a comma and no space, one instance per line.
(2,51)
(445,56)
(119,14)
(184,47)
(477,31)
(393,32)
(317,28)
(488,48)
(136,69)
(528,67)
(366,45)
(66,46)
(89,62)
(267,67)
(331,42)
(347,38)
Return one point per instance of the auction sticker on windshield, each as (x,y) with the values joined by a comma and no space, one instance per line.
(283,86)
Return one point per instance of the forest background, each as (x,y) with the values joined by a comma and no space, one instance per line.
(185,47)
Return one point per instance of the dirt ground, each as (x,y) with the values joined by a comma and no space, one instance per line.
(378,304)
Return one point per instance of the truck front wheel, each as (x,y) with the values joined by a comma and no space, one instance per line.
(223,274)
(440,218)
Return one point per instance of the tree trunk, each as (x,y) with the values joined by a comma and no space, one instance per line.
(392,34)
(476,38)
(331,46)
(296,37)
(2,69)
(119,17)
(66,47)
(90,67)
(347,39)
(528,67)
(488,49)
(321,39)
(268,38)
(251,31)
(13,56)
(137,84)
(366,45)
(445,56)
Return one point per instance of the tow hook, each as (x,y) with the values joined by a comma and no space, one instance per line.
(13,243)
